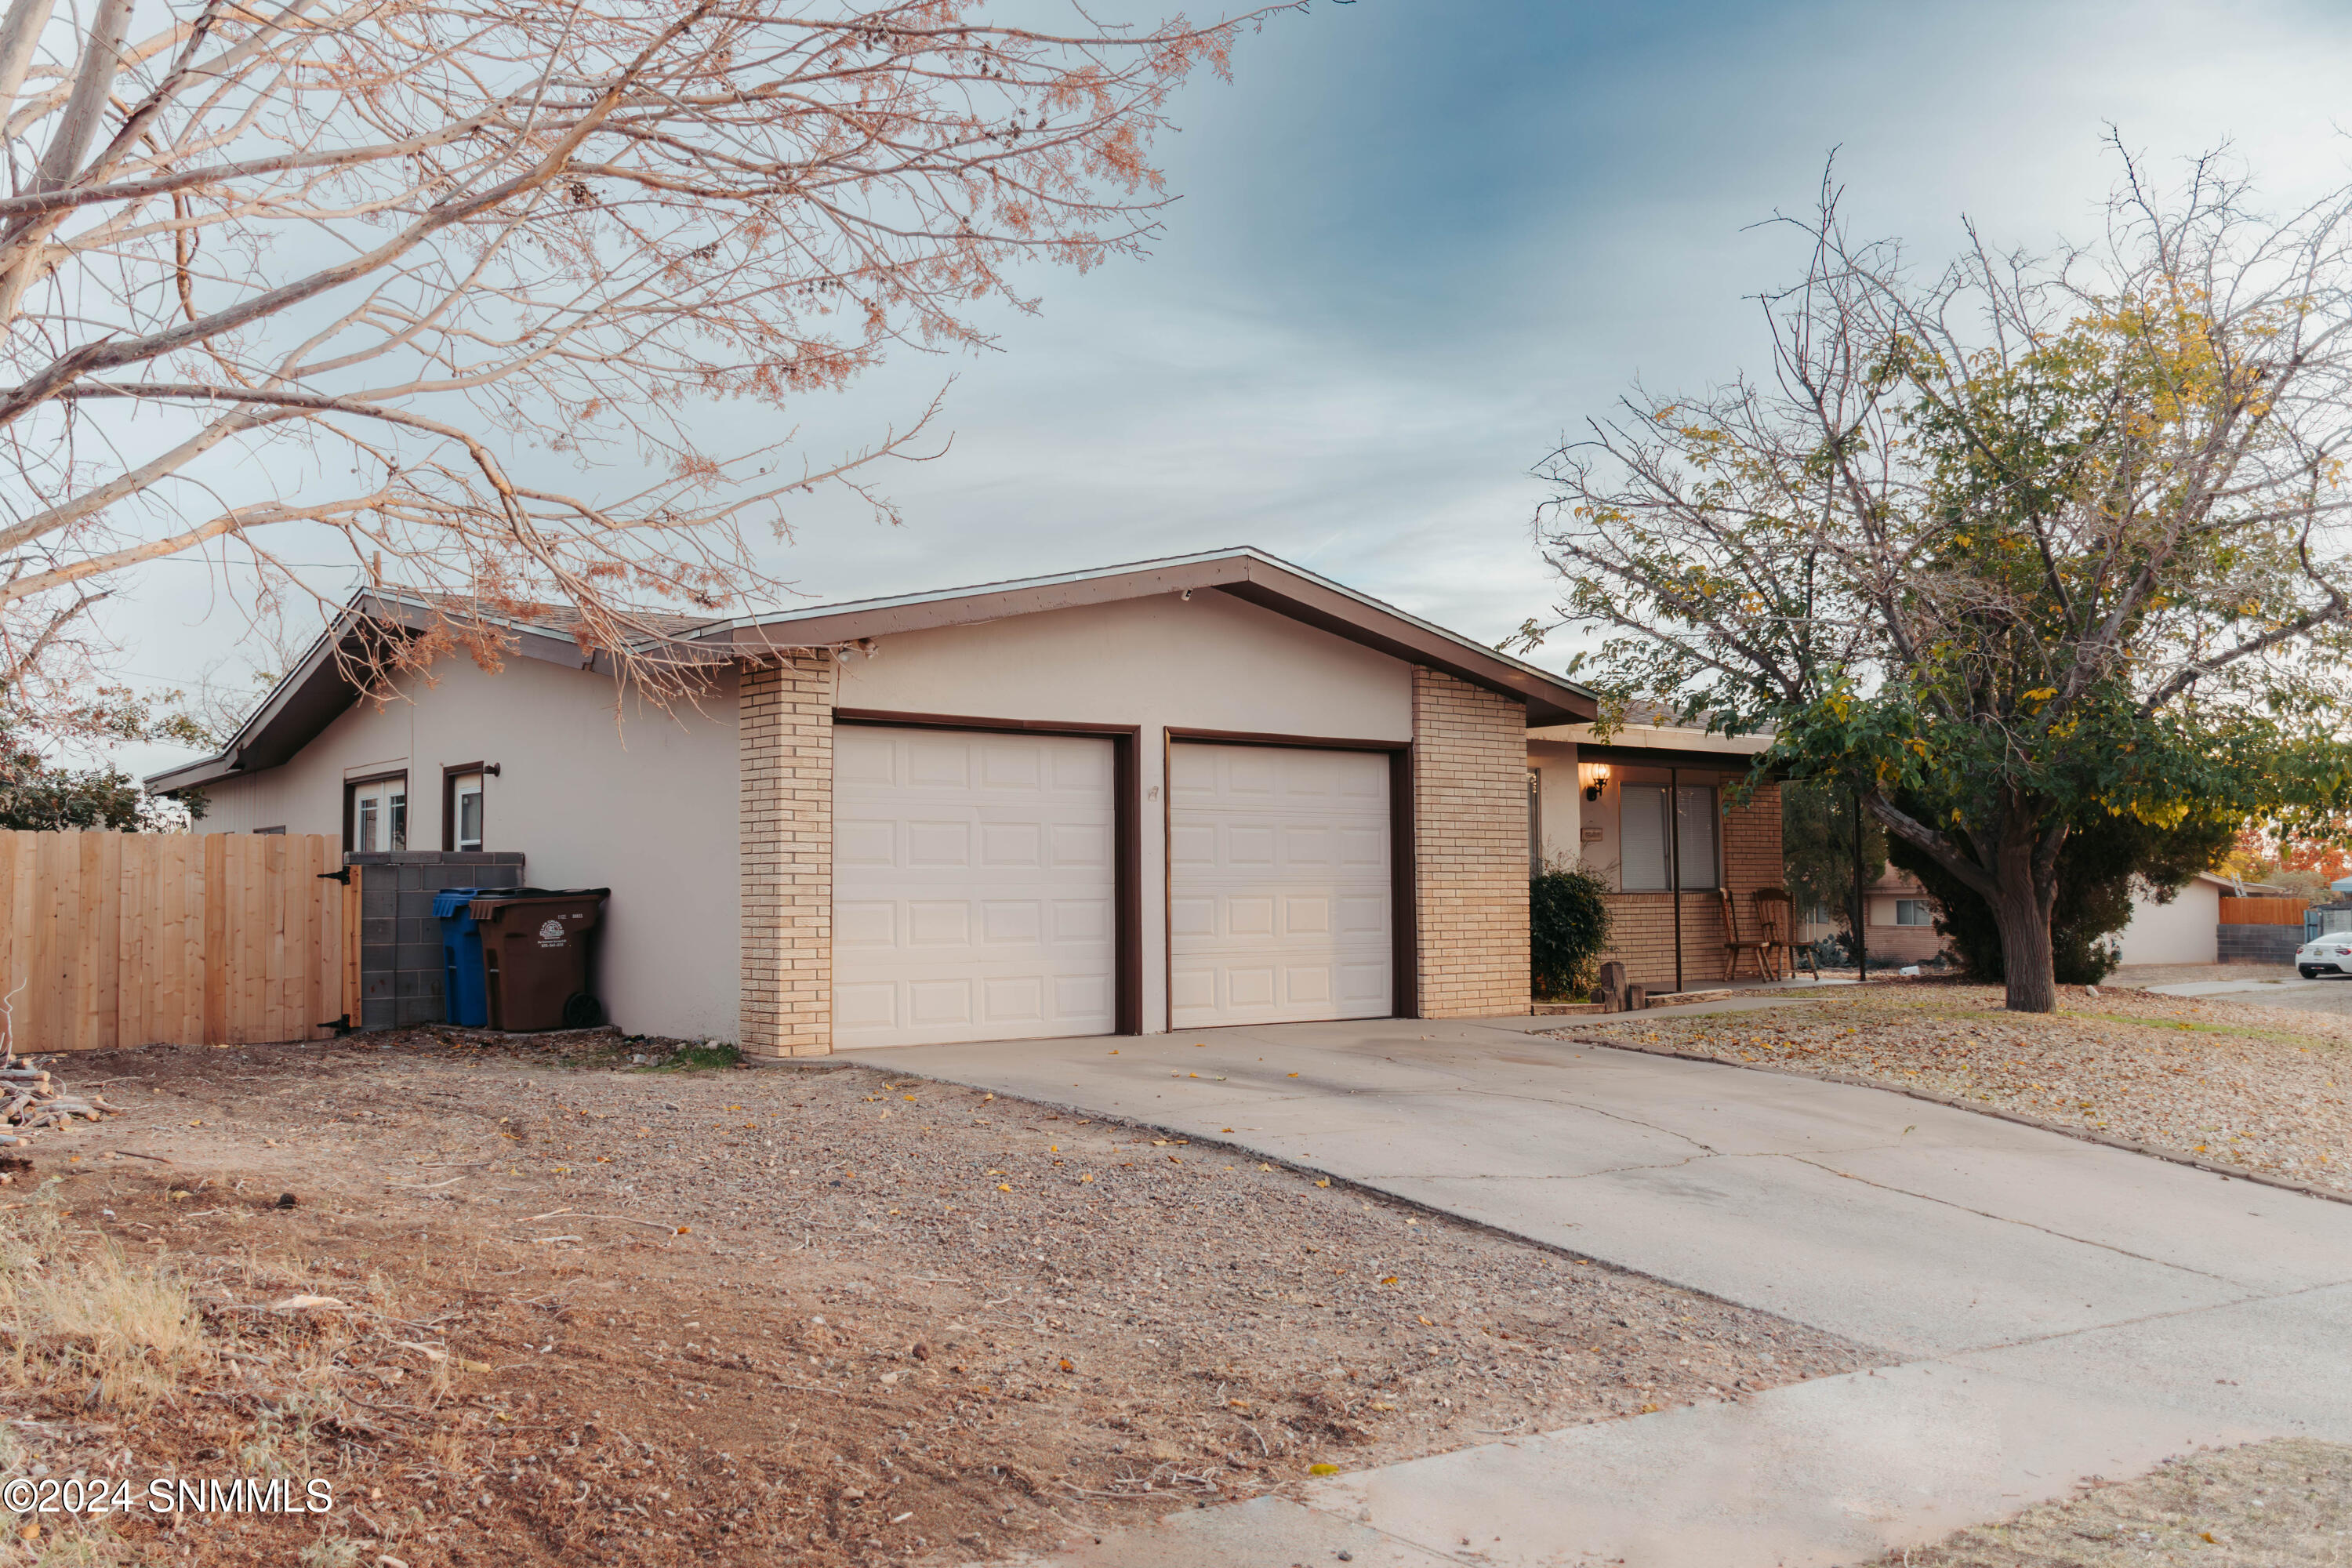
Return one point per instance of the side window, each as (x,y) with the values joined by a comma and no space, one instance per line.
(463,803)
(1695,822)
(1912,912)
(1642,837)
(1648,841)
(375,814)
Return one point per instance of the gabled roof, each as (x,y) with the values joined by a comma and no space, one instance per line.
(317,690)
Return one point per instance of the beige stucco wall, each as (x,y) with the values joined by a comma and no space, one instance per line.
(2183,931)
(647,809)
(654,812)
(1213,662)
(1561,802)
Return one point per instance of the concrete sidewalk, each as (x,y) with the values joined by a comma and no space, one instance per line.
(2064,1308)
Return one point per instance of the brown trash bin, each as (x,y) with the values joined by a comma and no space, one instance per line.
(535,956)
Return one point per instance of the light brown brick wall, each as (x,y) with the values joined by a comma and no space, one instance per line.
(1470,847)
(1641,925)
(784,731)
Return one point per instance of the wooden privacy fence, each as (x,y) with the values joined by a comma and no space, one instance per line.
(2238,912)
(128,939)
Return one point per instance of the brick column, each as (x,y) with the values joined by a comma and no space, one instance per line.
(784,757)
(1470,847)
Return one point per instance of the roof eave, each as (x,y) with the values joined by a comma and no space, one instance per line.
(1244,575)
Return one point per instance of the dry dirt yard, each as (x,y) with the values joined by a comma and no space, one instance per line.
(2250,1087)
(581,1311)
(2283,1504)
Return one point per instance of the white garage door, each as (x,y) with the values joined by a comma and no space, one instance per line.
(973,886)
(1278,885)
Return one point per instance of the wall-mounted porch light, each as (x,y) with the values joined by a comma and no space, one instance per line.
(1596,781)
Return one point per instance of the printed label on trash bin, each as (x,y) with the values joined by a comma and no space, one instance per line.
(550,933)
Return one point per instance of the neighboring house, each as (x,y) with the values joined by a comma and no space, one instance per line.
(1903,914)
(1203,791)
(1654,810)
(1899,918)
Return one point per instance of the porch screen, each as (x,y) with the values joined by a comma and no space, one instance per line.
(1642,833)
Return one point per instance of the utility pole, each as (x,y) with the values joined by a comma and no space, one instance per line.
(1861,900)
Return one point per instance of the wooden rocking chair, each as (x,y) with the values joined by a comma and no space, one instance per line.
(1734,944)
(1773,924)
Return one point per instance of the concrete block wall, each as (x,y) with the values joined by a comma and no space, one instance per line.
(784,731)
(1470,848)
(2258,944)
(400,940)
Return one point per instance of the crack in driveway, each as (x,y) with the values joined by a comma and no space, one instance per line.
(2012,1220)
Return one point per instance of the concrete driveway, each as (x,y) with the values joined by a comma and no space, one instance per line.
(2059,1309)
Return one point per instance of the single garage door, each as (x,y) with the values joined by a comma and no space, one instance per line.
(1279,889)
(973,886)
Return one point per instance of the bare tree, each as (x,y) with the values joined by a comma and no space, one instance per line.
(388,269)
(2008,543)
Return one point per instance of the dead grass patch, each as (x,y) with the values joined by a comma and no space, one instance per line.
(2262,1089)
(2282,1504)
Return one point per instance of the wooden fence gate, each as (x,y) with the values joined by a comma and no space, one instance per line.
(133,939)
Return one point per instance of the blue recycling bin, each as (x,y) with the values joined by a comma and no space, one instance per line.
(465,992)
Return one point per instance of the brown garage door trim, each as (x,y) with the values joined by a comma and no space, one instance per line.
(1126,832)
(1404,989)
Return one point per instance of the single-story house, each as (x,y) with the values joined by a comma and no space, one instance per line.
(1903,914)
(1210,790)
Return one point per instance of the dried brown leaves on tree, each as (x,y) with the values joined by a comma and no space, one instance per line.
(428,275)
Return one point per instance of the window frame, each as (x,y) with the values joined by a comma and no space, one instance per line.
(481,771)
(1676,861)
(351,788)
(1926,915)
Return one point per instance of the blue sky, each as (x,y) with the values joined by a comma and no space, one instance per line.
(1419,239)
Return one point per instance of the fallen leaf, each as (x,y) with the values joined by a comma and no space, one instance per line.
(1067,1366)
(1322,1469)
(1003,1186)
(1389,1281)
(296,1303)
(473,1365)
(1426,1322)
(1323,1182)
(1088,1177)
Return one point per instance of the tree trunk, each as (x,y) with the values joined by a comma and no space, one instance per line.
(2021,902)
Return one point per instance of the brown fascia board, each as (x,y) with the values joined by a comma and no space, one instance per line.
(1667,757)
(1245,575)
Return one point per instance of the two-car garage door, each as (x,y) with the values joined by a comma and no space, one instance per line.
(976,896)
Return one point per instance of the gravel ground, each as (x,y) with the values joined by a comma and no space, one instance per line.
(2283,1504)
(825,1315)
(2255,1088)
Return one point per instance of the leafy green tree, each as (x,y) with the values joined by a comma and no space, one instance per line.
(2102,865)
(39,795)
(1816,847)
(2026,544)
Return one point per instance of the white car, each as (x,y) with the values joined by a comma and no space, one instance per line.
(2329,954)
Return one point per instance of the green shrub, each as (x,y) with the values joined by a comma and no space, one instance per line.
(1568,927)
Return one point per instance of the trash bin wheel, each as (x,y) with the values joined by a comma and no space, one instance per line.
(581,1011)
